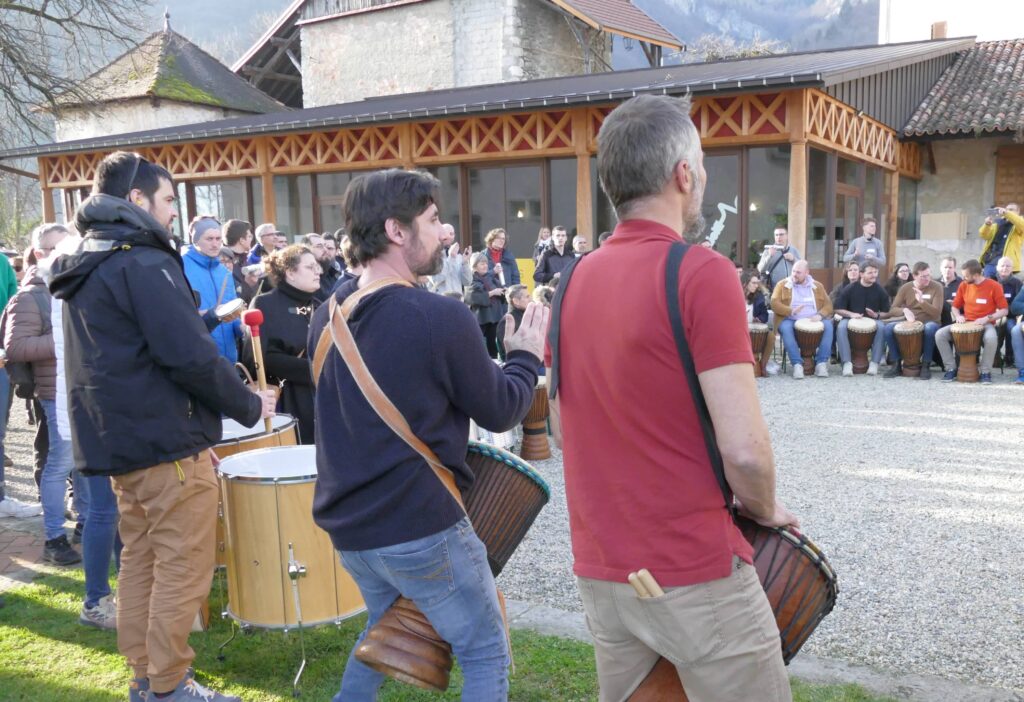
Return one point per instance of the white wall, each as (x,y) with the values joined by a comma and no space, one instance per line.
(133,116)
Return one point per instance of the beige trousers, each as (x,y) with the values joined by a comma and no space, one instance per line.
(721,636)
(168,518)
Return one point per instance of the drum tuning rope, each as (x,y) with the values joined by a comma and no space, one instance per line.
(295,571)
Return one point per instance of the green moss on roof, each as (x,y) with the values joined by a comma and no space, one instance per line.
(172,85)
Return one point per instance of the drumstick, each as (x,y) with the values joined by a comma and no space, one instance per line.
(253,319)
(649,583)
(634,580)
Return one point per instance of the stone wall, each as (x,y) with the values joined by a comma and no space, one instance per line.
(133,116)
(404,49)
(963,183)
(439,44)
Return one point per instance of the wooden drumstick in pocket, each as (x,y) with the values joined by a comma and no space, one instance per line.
(649,583)
(634,580)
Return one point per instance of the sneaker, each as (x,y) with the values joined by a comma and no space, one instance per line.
(189,690)
(59,552)
(949,376)
(926,373)
(893,372)
(986,378)
(1020,377)
(76,537)
(848,369)
(798,371)
(10,507)
(821,370)
(102,616)
(872,368)
(138,690)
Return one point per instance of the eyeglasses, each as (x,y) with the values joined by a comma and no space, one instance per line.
(135,171)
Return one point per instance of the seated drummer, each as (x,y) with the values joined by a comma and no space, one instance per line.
(865,298)
(978,300)
(801,297)
(917,301)
(757,310)
(1011,288)
(950,283)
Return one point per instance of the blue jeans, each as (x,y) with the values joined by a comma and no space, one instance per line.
(54,484)
(843,343)
(99,537)
(927,348)
(1017,343)
(447,576)
(5,393)
(793,349)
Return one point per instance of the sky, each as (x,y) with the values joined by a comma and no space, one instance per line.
(911,20)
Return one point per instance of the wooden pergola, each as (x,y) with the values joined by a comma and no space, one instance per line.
(801,118)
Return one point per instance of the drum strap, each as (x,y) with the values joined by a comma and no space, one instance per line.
(675,317)
(554,325)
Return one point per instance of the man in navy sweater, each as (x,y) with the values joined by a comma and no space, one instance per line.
(398,529)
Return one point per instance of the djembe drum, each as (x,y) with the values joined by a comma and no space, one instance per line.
(910,341)
(758,338)
(967,341)
(801,588)
(505,498)
(535,426)
(861,332)
(808,338)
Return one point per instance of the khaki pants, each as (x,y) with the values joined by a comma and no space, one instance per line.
(987,357)
(168,517)
(720,635)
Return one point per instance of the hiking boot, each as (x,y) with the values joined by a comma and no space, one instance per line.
(798,371)
(894,371)
(872,368)
(59,552)
(949,376)
(986,378)
(848,370)
(188,690)
(10,507)
(103,615)
(926,373)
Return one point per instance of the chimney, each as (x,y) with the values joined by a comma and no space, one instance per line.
(939,30)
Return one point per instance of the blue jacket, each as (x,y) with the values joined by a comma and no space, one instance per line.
(1017,306)
(508,266)
(209,277)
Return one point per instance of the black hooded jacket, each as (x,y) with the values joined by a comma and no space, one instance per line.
(146,384)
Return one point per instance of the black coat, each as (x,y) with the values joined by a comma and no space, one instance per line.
(329,277)
(552,262)
(286,315)
(146,383)
(488,309)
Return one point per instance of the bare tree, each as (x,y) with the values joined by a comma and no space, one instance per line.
(19,209)
(712,47)
(48,46)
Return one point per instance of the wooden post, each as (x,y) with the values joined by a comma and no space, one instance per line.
(405,146)
(584,196)
(890,226)
(48,213)
(267,182)
(797,209)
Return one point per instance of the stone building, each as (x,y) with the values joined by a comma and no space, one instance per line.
(164,81)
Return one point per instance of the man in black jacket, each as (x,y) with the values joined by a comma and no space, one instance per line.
(555,258)
(146,390)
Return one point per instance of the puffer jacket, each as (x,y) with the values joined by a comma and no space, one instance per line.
(24,337)
(215,285)
(146,384)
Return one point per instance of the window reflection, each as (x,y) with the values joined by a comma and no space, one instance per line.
(767,196)
(721,208)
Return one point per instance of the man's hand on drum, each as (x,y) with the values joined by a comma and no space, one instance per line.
(269,400)
(960,319)
(909,314)
(854,315)
(530,335)
(816,318)
(870,313)
(780,516)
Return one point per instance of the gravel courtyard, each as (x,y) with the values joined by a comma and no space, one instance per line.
(913,489)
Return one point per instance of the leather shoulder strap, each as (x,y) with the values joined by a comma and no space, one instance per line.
(555,325)
(675,316)
(339,333)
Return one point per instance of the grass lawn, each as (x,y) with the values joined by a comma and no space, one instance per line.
(47,656)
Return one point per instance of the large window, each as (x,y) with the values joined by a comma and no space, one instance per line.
(909,224)
(562,185)
(604,214)
(330,191)
(767,195)
(451,200)
(817,207)
(294,199)
(506,197)
(722,207)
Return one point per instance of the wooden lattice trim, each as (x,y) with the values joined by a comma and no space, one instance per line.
(312,151)
(836,125)
(910,160)
(519,134)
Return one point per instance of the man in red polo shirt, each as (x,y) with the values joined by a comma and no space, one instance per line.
(980,300)
(640,486)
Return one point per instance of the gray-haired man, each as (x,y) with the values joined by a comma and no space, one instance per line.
(455,272)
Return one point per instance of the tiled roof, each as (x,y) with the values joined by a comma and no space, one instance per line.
(620,17)
(983,91)
(168,66)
